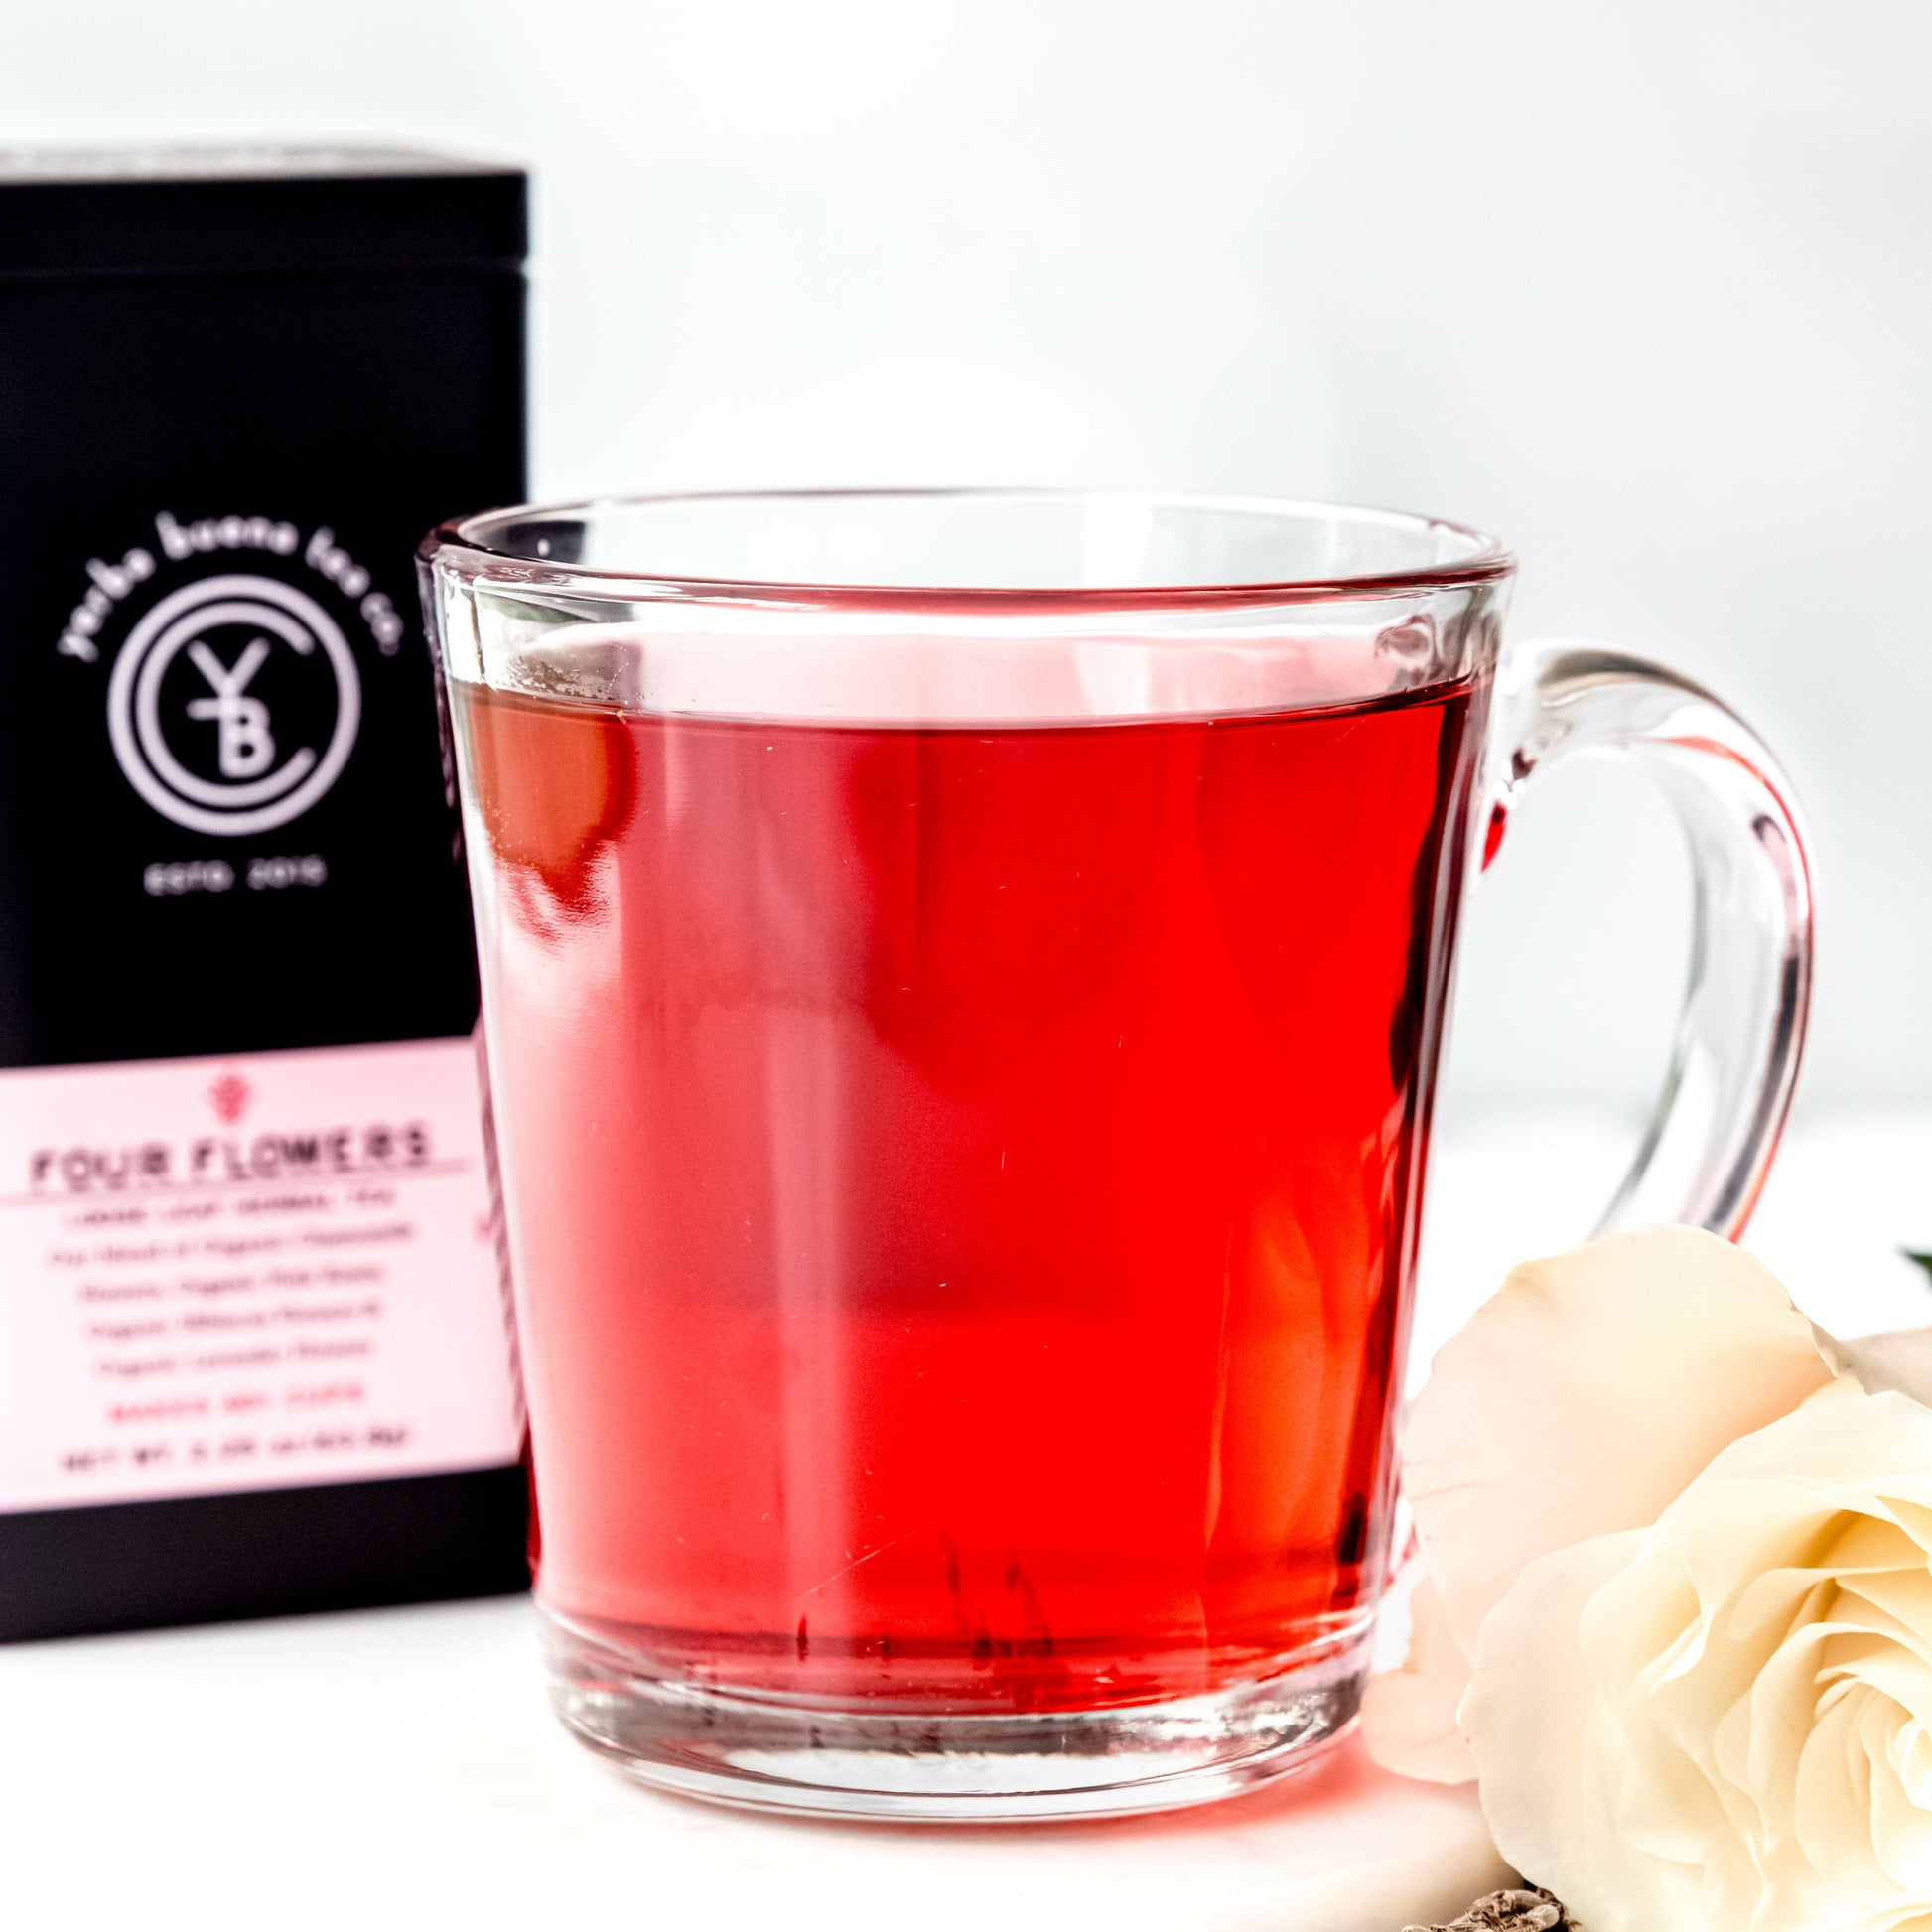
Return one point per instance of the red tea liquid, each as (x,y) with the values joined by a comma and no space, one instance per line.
(963,1180)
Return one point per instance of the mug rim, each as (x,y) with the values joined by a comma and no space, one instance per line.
(463,544)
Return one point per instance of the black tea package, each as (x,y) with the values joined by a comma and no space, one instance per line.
(253,1352)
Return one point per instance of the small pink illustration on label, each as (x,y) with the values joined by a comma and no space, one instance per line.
(230,1096)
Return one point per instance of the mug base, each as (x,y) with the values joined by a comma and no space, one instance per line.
(764,1752)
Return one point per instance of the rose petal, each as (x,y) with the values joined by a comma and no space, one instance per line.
(1409,1714)
(1584,1397)
(1527,1714)
(1901,1362)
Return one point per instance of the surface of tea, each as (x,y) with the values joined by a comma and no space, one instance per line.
(964,1181)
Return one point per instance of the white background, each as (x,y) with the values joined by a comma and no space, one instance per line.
(1644,286)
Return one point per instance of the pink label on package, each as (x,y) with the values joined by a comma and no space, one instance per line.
(248,1272)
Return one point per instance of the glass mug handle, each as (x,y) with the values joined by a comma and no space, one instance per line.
(1742,1032)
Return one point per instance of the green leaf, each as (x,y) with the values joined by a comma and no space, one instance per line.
(1924,1260)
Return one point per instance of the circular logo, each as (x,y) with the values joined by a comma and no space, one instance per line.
(233,705)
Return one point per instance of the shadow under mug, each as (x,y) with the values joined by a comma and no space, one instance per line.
(964,975)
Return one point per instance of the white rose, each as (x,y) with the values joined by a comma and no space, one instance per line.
(1724,1722)
(1582,1399)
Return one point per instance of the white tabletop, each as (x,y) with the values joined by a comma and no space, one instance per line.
(399,1768)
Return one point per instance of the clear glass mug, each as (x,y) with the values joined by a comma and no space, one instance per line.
(964,976)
